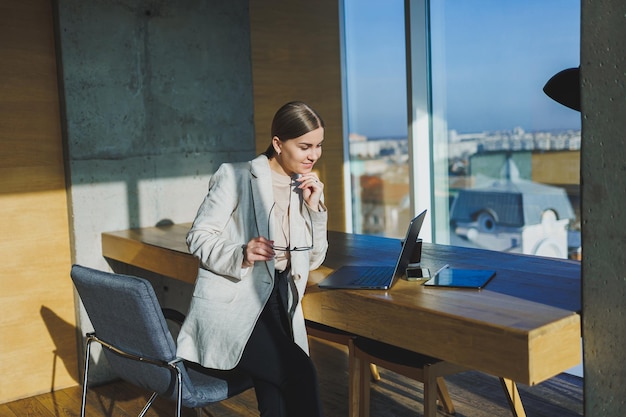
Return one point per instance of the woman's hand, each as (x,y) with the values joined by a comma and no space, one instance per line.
(257,249)
(312,189)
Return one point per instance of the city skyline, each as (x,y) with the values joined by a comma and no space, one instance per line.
(476,97)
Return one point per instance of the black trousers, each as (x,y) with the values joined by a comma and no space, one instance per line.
(285,378)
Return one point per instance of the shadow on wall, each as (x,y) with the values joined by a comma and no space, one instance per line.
(65,355)
(65,349)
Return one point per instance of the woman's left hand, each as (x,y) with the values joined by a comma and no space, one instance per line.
(312,189)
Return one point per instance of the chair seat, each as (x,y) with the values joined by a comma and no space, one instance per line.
(213,385)
(394,354)
(321,331)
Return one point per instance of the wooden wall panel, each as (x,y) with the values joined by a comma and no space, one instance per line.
(37,326)
(296,55)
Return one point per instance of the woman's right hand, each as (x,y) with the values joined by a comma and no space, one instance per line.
(257,249)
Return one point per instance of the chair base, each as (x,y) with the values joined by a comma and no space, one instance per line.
(427,370)
(91,337)
(340,337)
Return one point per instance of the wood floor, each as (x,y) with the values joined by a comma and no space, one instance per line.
(474,394)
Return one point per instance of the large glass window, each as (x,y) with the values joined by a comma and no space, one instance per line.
(377,117)
(494,159)
(511,165)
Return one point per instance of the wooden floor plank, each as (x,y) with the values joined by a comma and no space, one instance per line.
(474,395)
(60,404)
(117,399)
(30,407)
(5,411)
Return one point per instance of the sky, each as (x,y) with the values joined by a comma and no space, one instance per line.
(491,59)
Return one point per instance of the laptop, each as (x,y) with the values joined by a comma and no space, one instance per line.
(377,277)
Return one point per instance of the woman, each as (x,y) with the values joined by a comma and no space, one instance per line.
(259,231)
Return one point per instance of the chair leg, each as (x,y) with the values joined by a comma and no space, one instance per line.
(444,396)
(430,393)
(149,403)
(353,381)
(85,373)
(374,372)
(364,389)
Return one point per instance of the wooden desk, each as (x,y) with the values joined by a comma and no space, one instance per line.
(522,327)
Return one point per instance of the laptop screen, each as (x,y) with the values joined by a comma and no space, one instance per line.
(408,246)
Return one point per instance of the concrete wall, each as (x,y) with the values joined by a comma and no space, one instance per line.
(603,179)
(157,94)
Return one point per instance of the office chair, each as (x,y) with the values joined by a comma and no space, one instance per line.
(130,325)
(340,337)
(428,370)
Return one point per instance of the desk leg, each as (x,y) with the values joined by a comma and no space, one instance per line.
(513,398)
(354,376)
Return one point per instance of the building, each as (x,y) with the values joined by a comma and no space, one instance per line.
(510,214)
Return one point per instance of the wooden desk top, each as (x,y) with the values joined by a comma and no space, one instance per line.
(158,249)
(554,282)
(522,326)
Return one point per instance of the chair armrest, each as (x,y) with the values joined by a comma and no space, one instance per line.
(174,320)
(173,315)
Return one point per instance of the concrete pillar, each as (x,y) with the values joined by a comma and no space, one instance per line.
(603,186)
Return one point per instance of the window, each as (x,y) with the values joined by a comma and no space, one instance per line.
(494,159)
(509,180)
(377,118)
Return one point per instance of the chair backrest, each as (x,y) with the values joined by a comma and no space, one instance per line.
(125,312)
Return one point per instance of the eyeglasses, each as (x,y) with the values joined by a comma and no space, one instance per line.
(295,248)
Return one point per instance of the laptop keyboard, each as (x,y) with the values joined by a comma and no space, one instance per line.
(374,276)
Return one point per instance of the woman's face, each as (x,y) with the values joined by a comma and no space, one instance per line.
(298,155)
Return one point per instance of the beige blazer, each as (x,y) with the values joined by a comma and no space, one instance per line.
(228,300)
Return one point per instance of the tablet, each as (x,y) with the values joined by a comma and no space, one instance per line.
(461,278)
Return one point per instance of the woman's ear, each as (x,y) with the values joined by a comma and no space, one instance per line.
(276,143)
